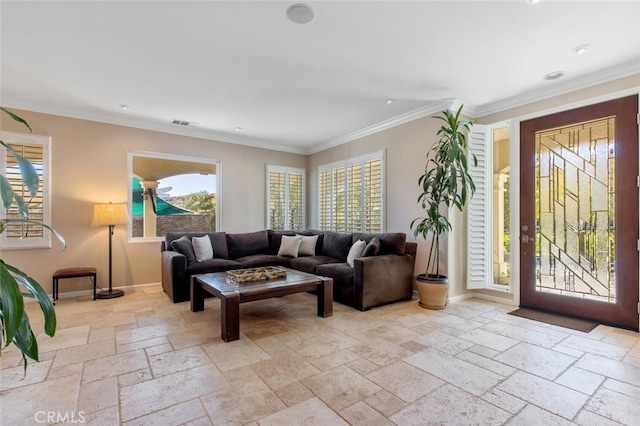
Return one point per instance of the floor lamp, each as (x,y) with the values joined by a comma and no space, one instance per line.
(110,215)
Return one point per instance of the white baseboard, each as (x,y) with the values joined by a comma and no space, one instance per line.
(69,294)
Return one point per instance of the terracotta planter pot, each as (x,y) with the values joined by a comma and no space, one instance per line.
(433,291)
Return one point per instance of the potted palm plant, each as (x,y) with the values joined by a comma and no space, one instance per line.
(445,183)
(14,323)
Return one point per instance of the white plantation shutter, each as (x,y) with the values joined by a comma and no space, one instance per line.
(350,194)
(285,198)
(324,199)
(36,149)
(479,212)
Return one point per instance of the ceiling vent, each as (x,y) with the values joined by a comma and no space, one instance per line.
(184,123)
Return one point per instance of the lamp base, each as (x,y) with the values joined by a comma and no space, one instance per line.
(111,294)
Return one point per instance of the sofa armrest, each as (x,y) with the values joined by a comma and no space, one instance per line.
(174,274)
(383,279)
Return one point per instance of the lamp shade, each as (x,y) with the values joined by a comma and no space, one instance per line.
(110,214)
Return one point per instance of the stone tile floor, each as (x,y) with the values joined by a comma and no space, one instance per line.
(141,360)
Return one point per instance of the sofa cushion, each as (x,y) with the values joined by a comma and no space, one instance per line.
(373,248)
(218,241)
(390,242)
(337,245)
(246,244)
(290,245)
(212,265)
(355,251)
(256,260)
(310,263)
(202,248)
(183,246)
(308,245)
(275,238)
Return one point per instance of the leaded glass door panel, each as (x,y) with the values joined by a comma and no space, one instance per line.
(579,212)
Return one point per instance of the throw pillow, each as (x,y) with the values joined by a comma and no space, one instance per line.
(373,248)
(202,248)
(308,246)
(356,251)
(183,246)
(289,245)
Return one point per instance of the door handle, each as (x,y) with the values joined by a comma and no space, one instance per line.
(525,238)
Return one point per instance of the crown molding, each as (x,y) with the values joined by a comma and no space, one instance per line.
(429,109)
(560,88)
(196,132)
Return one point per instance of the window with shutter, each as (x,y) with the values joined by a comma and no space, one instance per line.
(36,149)
(285,198)
(488,212)
(350,195)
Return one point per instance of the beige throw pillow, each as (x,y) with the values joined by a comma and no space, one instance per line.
(308,245)
(356,251)
(202,248)
(289,245)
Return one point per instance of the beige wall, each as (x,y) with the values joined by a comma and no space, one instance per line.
(89,165)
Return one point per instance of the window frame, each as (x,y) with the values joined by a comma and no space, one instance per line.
(343,167)
(45,187)
(174,157)
(287,171)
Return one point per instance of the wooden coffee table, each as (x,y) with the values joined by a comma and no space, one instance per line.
(232,294)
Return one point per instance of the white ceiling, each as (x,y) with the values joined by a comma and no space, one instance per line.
(302,88)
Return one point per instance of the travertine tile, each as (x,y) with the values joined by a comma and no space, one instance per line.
(240,405)
(595,347)
(156,394)
(16,377)
(580,380)
(454,405)
(536,360)
(87,352)
(311,412)
(182,359)
(610,368)
(384,365)
(19,406)
(240,353)
(463,374)
(491,340)
(532,415)
(175,415)
(380,352)
(114,365)
(503,400)
(98,395)
(362,414)
(385,402)
(615,406)
(405,381)
(281,371)
(443,342)
(293,394)
(340,387)
(536,390)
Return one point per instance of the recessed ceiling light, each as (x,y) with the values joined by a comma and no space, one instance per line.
(579,50)
(124,107)
(389,101)
(532,1)
(300,13)
(238,129)
(553,75)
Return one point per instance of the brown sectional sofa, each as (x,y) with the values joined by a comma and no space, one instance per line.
(384,277)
